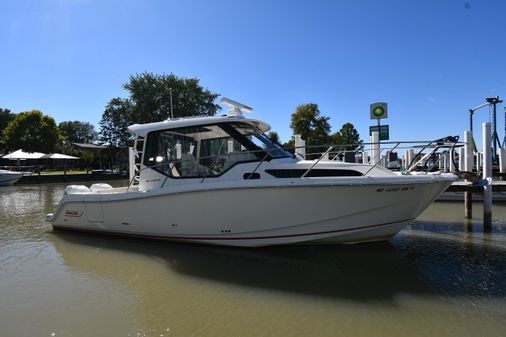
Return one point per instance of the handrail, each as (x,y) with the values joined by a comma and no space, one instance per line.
(322,156)
(256,168)
(438,144)
(435,145)
(379,161)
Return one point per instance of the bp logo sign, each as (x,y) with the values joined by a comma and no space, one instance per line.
(379,110)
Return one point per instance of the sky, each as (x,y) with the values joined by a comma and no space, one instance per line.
(429,60)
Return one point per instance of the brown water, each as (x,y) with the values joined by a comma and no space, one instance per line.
(438,277)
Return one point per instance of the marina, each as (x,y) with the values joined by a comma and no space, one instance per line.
(440,276)
(354,183)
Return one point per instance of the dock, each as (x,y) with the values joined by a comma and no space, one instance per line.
(63,178)
(465,186)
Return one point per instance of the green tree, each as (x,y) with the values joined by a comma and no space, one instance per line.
(313,128)
(115,121)
(87,159)
(349,136)
(31,131)
(77,132)
(273,135)
(290,145)
(5,117)
(150,94)
(149,101)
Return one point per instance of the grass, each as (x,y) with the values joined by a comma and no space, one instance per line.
(61,172)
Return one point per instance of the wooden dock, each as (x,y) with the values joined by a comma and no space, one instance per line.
(465,186)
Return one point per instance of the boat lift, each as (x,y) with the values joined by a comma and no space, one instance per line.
(490,102)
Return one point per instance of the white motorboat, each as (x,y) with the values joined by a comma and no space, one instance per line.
(221,180)
(9,177)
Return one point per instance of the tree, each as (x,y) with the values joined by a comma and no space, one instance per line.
(149,101)
(273,135)
(349,136)
(31,131)
(77,132)
(115,121)
(313,128)
(151,96)
(5,117)
(87,159)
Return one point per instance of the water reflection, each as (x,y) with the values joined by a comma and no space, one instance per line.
(441,276)
(410,264)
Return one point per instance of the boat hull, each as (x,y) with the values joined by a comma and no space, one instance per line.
(254,216)
(8,178)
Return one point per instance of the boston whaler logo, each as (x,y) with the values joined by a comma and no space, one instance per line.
(73,213)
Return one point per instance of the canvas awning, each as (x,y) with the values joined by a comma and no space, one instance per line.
(57,156)
(20,154)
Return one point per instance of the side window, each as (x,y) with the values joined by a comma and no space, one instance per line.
(172,153)
(199,151)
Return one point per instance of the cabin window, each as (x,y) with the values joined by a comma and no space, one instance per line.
(208,150)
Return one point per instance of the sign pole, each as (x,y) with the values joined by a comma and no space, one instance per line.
(378,111)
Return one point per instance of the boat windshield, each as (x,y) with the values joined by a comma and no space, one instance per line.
(208,150)
(261,140)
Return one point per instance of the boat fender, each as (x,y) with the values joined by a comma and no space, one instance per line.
(76,189)
(100,187)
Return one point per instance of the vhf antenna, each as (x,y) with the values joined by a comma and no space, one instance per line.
(171,112)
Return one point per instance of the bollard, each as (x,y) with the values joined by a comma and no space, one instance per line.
(487,174)
(375,148)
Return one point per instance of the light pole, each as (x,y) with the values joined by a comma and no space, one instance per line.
(490,101)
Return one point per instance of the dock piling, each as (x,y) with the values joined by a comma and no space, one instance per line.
(462,156)
(365,157)
(502,160)
(451,163)
(487,175)
(468,148)
(468,166)
(375,147)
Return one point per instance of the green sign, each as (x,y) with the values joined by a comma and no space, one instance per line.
(384,131)
(379,110)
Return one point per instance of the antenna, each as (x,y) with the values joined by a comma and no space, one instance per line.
(236,108)
(171,112)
